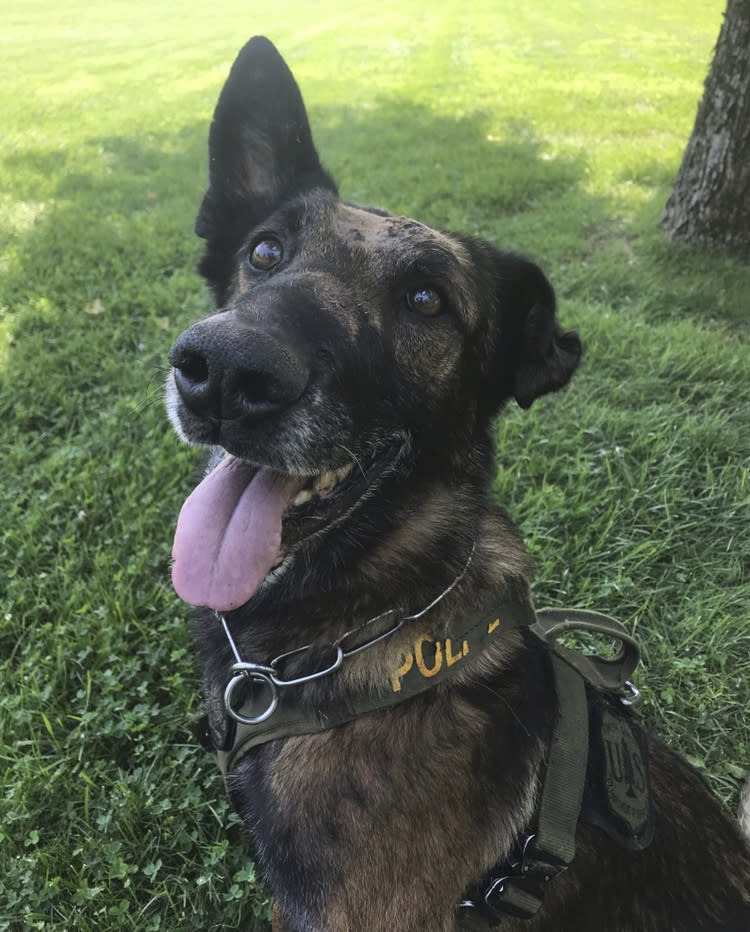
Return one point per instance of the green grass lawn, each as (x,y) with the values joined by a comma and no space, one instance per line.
(553,128)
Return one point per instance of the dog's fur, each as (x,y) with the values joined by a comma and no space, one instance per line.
(385,343)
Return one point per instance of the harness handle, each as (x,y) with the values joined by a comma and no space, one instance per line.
(611,674)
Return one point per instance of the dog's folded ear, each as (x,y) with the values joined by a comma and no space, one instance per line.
(260,145)
(532,354)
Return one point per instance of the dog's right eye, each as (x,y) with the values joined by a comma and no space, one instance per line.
(266,253)
(426,301)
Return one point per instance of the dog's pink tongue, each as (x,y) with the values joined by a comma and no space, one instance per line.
(229,534)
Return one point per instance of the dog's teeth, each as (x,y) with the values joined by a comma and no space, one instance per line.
(301,497)
(324,482)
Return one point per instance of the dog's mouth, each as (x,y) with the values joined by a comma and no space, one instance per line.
(242,520)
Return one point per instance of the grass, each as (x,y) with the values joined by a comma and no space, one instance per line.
(553,128)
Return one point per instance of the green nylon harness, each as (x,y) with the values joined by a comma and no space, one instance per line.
(262,704)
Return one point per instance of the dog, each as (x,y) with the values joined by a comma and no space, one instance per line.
(387,718)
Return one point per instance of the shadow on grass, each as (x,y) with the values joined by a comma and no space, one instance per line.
(630,264)
(121,214)
(449,173)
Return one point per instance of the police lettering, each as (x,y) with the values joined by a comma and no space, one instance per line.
(430,656)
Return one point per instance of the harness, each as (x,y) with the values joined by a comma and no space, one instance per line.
(596,770)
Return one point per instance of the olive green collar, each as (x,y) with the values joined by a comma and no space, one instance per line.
(263,703)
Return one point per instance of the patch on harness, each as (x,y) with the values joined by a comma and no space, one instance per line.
(617,796)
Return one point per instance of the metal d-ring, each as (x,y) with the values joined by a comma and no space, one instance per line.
(634,697)
(254,673)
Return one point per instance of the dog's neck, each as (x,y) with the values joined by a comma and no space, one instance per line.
(379,563)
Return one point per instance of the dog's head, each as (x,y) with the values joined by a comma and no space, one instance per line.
(347,342)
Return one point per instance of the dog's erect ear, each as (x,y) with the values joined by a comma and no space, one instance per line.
(260,146)
(532,354)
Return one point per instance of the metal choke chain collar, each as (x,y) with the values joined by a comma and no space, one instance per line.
(270,676)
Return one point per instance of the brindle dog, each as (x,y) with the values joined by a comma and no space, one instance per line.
(348,382)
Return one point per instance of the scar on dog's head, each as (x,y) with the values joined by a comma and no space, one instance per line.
(261,153)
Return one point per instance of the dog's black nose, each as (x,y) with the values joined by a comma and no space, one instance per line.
(226,370)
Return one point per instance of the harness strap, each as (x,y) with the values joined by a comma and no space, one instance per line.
(515,888)
(562,793)
(518,888)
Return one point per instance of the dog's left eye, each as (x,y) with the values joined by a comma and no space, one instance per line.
(426,301)
(266,254)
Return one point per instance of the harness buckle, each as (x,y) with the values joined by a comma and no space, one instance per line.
(514,894)
(517,895)
(518,891)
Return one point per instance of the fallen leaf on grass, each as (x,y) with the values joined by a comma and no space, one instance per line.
(96,307)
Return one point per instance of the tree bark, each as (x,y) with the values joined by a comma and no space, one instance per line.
(710,202)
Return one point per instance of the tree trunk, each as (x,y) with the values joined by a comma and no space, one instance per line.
(710,202)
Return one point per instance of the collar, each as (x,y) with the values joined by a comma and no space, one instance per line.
(262,702)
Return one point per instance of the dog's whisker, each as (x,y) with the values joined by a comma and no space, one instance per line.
(355,459)
(149,397)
